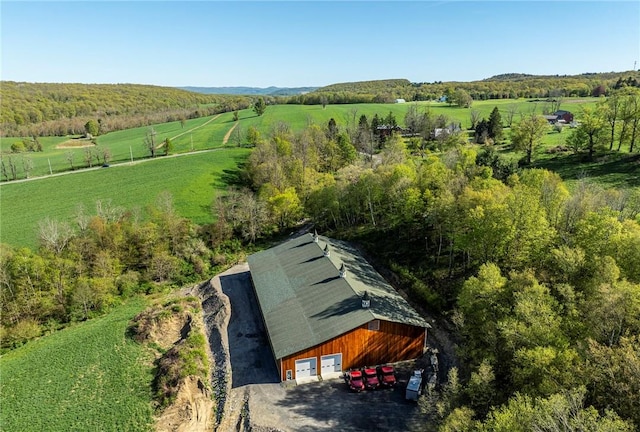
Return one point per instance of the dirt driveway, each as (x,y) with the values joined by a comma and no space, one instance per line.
(257,401)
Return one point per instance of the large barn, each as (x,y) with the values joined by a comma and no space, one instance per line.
(327,310)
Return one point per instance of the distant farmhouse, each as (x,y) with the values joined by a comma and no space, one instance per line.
(560,116)
(446,131)
(327,310)
(385,131)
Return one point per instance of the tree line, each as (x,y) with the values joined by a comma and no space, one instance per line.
(508,86)
(87,265)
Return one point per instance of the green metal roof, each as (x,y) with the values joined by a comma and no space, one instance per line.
(305,302)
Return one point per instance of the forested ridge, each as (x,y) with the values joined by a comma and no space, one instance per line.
(45,109)
(507,86)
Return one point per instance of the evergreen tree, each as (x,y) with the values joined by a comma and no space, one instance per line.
(482,131)
(495,125)
(332,129)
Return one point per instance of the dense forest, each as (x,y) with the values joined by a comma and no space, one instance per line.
(43,109)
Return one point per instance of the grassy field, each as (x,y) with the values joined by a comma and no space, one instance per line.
(209,132)
(205,133)
(88,377)
(192,180)
(298,116)
(609,169)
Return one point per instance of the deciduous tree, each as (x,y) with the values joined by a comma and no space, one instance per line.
(527,134)
(260,106)
(92,128)
(150,141)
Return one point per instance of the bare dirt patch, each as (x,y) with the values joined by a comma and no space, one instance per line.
(191,410)
(75,143)
(175,332)
(225,140)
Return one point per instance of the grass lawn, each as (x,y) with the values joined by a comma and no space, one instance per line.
(192,180)
(610,169)
(88,377)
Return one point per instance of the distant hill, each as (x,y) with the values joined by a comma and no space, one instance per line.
(367,86)
(267,91)
(64,108)
(582,76)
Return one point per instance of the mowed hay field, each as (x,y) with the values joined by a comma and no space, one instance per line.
(192,179)
(88,377)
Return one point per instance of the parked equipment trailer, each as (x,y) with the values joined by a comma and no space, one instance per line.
(414,386)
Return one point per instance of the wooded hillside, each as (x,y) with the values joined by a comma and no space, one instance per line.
(43,109)
(506,86)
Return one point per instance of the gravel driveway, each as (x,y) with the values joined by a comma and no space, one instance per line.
(257,401)
(249,350)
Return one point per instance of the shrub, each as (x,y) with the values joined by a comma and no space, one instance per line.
(19,334)
(18,147)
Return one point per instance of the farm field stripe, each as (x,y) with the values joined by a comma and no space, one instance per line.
(225,140)
(197,127)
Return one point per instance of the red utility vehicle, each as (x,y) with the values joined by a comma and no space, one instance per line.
(386,376)
(354,379)
(371,381)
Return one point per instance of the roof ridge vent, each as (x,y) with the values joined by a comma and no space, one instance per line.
(326,251)
(366,300)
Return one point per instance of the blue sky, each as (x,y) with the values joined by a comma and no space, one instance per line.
(305,43)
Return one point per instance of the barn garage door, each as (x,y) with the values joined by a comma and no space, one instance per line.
(330,364)
(306,367)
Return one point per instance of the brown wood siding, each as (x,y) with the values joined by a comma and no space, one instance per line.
(363,347)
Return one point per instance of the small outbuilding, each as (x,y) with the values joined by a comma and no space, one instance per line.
(327,310)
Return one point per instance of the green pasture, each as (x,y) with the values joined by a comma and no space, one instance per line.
(209,132)
(610,169)
(88,377)
(192,179)
(299,116)
(197,134)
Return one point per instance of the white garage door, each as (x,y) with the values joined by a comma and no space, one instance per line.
(331,364)
(306,367)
